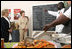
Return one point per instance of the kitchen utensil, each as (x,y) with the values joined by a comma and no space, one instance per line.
(39,34)
(29,39)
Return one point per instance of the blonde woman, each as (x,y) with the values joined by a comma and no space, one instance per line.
(5,25)
(23,25)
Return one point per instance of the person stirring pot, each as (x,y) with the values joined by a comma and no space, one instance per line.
(64,18)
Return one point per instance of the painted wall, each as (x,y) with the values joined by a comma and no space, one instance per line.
(26,6)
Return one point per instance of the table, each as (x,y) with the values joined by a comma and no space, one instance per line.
(9,44)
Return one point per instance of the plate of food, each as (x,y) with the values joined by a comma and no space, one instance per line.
(66,46)
(37,44)
(58,35)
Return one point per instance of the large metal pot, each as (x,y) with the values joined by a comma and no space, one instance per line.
(62,38)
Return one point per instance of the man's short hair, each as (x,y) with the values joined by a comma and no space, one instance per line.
(61,4)
(5,11)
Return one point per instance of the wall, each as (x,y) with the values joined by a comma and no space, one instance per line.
(26,6)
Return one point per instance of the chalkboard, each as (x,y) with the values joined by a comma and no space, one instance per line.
(40,17)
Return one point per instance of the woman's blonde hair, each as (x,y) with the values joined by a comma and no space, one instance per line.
(4,11)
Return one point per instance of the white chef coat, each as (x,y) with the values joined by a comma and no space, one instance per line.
(68,13)
(61,26)
(10,37)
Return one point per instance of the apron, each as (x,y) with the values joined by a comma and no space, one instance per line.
(67,25)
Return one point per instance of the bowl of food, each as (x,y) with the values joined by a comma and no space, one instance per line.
(36,44)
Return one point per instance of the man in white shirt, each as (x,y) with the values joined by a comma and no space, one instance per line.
(63,18)
(68,13)
(61,9)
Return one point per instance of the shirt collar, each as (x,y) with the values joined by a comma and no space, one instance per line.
(5,17)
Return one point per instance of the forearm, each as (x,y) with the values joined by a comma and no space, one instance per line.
(27,25)
(19,22)
(61,20)
(53,13)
